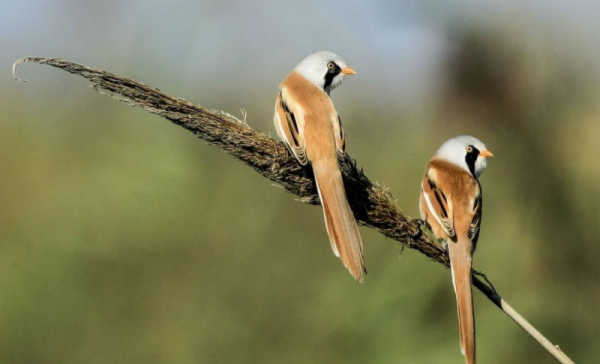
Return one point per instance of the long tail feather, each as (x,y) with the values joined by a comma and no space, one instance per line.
(341,226)
(460,260)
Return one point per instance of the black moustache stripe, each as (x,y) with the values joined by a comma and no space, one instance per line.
(471,158)
(330,75)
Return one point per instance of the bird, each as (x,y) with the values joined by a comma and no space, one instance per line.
(451,204)
(310,127)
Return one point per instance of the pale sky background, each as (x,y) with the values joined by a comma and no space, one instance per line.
(245,48)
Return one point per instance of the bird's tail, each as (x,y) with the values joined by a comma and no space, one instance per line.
(339,219)
(460,262)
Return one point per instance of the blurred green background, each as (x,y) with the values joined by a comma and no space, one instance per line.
(124,239)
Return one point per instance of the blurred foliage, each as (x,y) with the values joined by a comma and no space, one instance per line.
(127,240)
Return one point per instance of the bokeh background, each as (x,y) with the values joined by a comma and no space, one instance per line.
(124,239)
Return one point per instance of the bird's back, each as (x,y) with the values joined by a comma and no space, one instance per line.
(319,115)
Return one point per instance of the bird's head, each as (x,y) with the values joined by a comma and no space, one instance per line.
(467,152)
(324,69)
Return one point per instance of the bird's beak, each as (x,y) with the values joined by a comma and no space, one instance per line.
(486,153)
(348,71)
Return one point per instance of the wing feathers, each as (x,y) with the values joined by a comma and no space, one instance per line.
(438,204)
(473,232)
(289,125)
(340,139)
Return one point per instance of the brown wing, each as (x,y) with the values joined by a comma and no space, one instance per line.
(473,232)
(438,204)
(340,139)
(289,123)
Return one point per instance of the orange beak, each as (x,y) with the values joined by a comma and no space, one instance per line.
(486,153)
(348,71)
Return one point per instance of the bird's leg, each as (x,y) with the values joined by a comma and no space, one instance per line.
(420,226)
(423,227)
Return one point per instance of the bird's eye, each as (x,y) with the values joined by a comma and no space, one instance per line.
(469,149)
(331,65)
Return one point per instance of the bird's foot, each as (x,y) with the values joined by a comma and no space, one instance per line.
(422,225)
